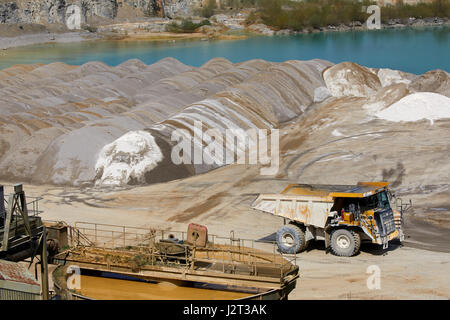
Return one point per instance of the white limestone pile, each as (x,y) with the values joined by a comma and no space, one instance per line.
(127,158)
(417,106)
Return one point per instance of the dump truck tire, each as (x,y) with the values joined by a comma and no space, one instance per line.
(345,243)
(291,239)
(358,242)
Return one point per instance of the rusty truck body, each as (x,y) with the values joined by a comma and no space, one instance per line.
(342,215)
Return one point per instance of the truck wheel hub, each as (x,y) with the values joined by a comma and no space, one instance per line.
(343,241)
(288,240)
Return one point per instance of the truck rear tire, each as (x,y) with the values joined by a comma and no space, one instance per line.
(345,243)
(291,239)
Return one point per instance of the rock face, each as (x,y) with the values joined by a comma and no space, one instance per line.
(174,8)
(9,12)
(261,29)
(233,22)
(56,11)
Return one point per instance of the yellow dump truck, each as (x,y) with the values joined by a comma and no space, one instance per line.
(342,215)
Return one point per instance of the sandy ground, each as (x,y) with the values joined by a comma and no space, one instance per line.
(406,271)
(23,34)
(48,37)
(166,36)
(7,42)
(12,36)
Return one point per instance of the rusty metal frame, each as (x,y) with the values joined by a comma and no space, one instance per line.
(240,262)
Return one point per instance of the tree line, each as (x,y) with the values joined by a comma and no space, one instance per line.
(286,14)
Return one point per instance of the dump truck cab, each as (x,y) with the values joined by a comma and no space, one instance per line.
(342,215)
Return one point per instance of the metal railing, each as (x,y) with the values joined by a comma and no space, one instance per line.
(229,252)
(32,206)
(111,236)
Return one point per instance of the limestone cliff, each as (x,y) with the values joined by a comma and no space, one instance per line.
(58,11)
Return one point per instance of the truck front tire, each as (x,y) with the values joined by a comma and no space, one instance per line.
(345,242)
(291,239)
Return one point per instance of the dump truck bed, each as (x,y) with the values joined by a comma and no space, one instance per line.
(361,190)
(294,207)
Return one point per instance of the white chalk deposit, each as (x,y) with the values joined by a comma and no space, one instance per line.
(417,106)
(389,76)
(127,158)
(350,79)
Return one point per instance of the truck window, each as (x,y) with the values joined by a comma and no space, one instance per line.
(383,200)
(368,203)
(379,200)
(348,204)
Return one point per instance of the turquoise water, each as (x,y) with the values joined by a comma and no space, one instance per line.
(411,50)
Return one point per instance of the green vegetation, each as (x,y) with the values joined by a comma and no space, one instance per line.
(186,26)
(437,8)
(286,14)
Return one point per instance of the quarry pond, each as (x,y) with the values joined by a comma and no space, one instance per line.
(414,50)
